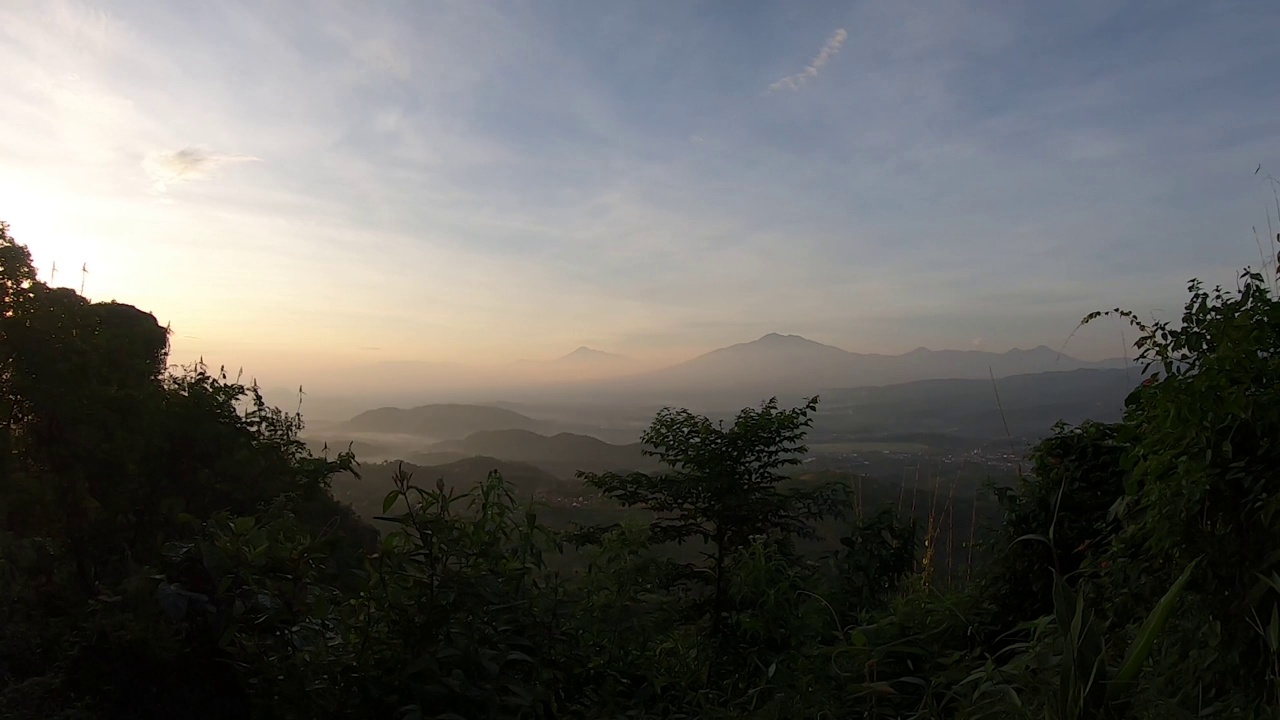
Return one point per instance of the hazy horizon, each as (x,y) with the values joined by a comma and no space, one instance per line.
(297,191)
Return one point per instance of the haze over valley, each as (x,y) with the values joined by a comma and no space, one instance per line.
(746,372)
(878,414)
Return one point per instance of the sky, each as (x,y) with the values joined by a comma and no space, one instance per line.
(295,186)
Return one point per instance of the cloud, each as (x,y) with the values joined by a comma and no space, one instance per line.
(388,121)
(189,163)
(545,180)
(828,51)
(383,59)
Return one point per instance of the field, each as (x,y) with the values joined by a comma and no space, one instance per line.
(841,448)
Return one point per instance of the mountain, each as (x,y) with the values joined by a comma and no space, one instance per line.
(585,355)
(792,365)
(563,454)
(1024,406)
(788,366)
(958,364)
(772,358)
(582,364)
(440,421)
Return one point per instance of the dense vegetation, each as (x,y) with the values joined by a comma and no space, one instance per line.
(168,547)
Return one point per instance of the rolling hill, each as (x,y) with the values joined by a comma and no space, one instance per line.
(563,454)
(440,422)
(1029,403)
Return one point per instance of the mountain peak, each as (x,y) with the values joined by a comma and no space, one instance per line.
(1038,350)
(775,344)
(586,353)
(778,339)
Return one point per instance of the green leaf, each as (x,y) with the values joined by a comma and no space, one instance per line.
(1034,536)
(1141,647)
(390,500)
(1273,629)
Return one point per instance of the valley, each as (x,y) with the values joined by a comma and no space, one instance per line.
(930,447)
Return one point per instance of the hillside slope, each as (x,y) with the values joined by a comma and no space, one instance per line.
(563,454)
(449,421)
(1030,404)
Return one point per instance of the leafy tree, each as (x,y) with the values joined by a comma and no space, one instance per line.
(17,273)
(1201,480)
(1054,518)
(876,557)
(1126,508)
(102,454)
(723,486)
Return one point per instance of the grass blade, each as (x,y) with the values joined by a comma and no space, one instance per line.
(1141,647)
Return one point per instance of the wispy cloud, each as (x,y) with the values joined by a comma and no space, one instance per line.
(189,163)
(828,51)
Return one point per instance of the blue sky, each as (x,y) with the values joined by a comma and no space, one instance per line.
(293,184)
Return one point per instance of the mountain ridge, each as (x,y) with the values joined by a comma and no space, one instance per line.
(562,454)
(772,364)
(776,364)
(586,353)
(440,420)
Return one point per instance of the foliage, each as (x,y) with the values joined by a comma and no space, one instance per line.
(723,483)
(1089,687)
(1201,481)
(1055,517)
(878,555)
(723,487)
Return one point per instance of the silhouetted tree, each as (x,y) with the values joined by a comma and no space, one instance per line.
(723,486)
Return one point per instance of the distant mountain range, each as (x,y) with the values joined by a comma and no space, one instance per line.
(581,364)
(783,365)
(790,365)
(1021,406)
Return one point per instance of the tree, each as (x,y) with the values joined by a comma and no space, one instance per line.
(17,273)
(1055,518)
(723,486)
(1200,479)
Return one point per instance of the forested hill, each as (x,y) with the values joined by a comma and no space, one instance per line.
(441,421)
(563,453)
